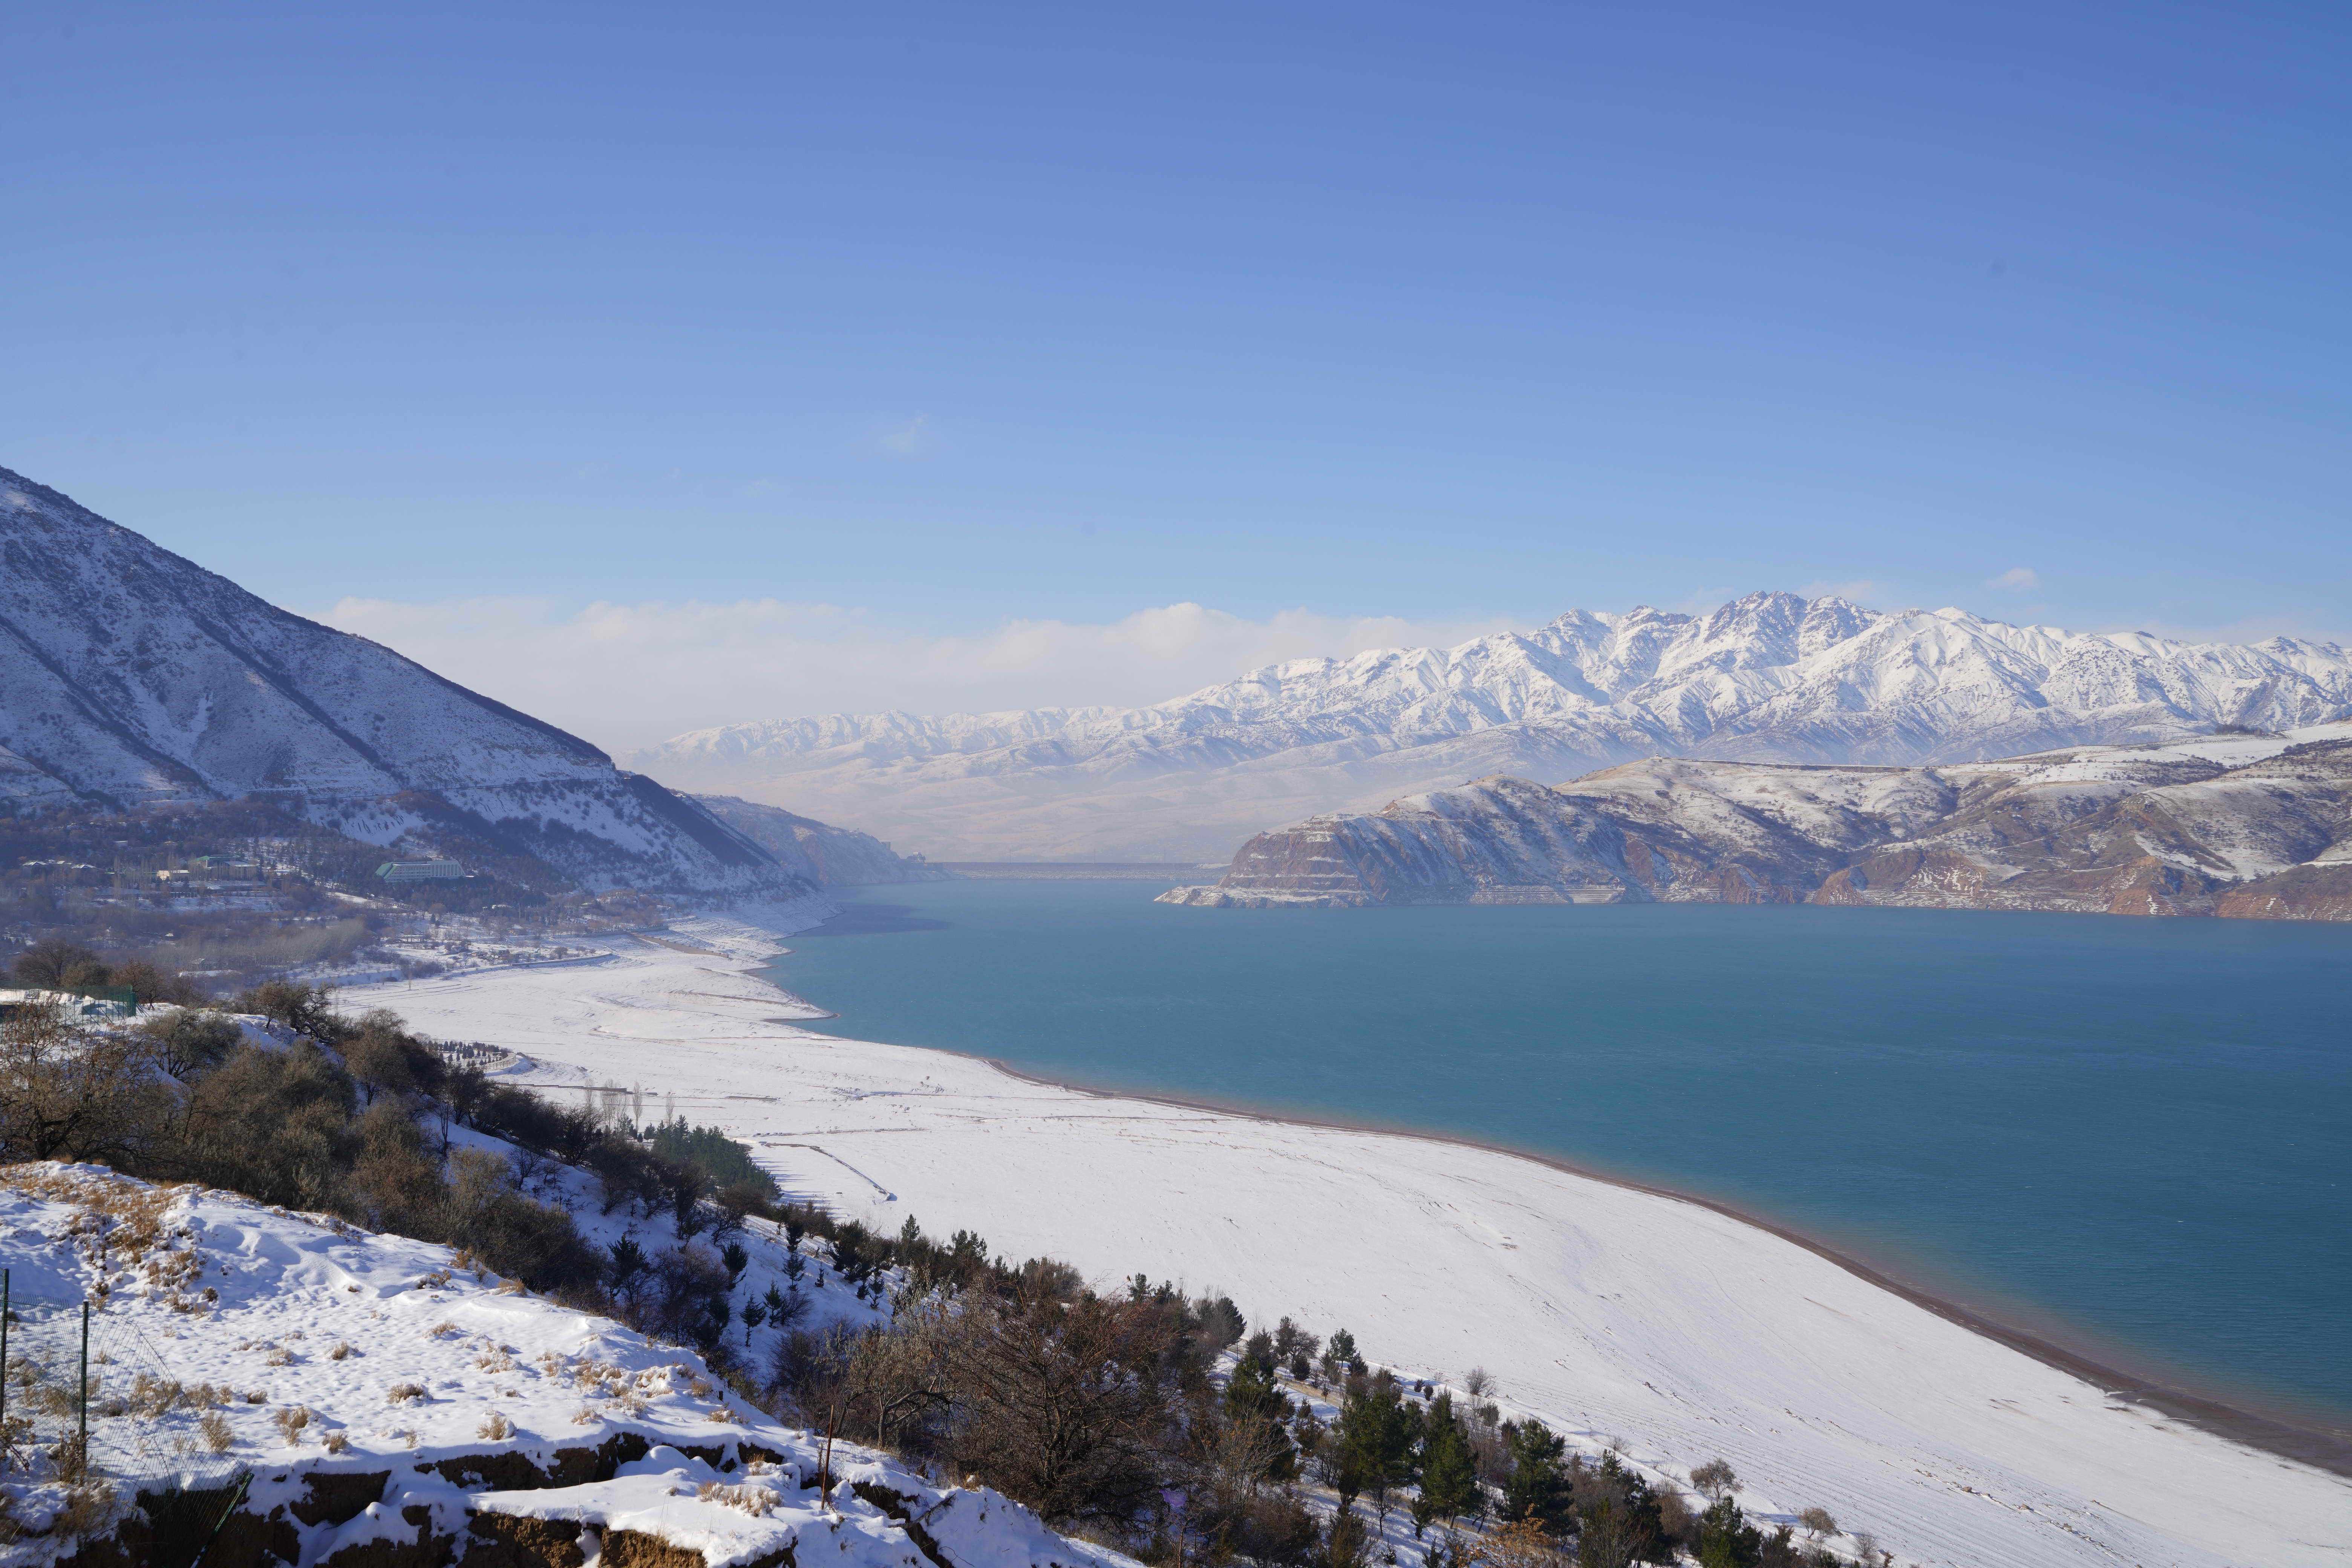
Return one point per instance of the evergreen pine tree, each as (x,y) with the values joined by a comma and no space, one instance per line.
(1537,1485)
(1726,1539)
(1377,1434)
(1449,1470)
(1251,1396)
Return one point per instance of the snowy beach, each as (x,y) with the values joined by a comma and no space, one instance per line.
(1679,1331)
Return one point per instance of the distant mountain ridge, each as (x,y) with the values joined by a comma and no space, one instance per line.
(2235,825)
(828,856)
(1770,677)
(129,677)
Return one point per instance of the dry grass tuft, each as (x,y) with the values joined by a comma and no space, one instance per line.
(218,1435)
(89,1510)
(754,1500)
(497,1428)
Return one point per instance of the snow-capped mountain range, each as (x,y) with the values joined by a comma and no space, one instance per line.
(132,677)
(1770,677)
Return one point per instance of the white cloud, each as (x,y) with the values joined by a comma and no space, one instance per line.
(912,439)
(1861,589)
(2016,580)
(627,676)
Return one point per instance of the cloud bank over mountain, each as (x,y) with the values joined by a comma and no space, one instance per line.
(632,675)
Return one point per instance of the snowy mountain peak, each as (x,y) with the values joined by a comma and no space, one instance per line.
(1769,676)
(129,676)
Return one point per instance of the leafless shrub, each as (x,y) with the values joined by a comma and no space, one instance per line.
(1522,1543)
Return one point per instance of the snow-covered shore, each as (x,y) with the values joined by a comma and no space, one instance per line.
(1618,1314)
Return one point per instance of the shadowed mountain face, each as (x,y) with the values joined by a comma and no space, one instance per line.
(132,677)
(1768,678)
(2257,826)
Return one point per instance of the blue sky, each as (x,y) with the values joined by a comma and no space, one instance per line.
(955,317)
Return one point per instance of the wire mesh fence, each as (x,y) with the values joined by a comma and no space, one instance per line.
(93,1423)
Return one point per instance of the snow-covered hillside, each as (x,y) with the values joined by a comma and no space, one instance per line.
(2249,824)
(393,1405)
(1771,676)
(131,676)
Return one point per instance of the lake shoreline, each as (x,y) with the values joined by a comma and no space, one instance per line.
(2321,1447)
(1660,1327)
(2054,1237)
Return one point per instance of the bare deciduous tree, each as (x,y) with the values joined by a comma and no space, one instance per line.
(72,1093)
(1716,1478)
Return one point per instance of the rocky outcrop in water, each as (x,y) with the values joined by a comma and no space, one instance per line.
(2243,824)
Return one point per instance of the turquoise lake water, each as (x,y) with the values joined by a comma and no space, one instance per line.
(2134,1134)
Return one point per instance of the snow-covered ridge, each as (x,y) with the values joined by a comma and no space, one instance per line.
(2238,825)
(435,1405)
(1771,676)
(131,676)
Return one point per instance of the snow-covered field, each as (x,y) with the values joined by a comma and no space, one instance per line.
(1619,1315)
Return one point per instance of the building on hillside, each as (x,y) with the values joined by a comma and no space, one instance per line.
(100,1001)
(420,872)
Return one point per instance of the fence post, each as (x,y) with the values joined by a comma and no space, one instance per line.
(4,1367)
(85,1386)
